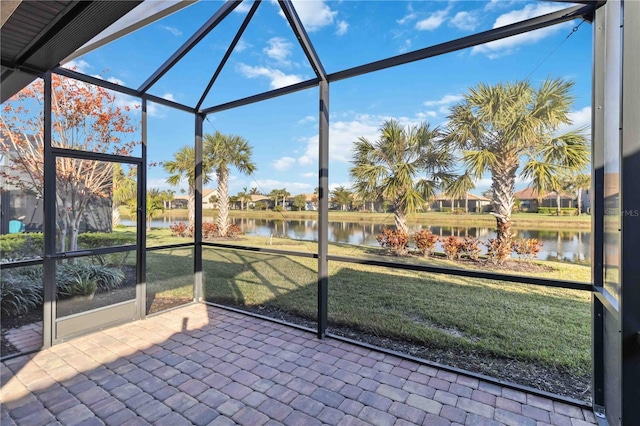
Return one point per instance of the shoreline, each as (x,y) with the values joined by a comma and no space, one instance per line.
(519,220)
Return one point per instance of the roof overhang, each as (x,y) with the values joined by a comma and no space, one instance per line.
(37,35)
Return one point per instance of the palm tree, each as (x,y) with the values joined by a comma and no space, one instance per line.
(460,187)
(223,151)
(254,191)
(245,197)
(183,167)
(498,127)
(124,189)
(404,166)
(578,182)
(342,196)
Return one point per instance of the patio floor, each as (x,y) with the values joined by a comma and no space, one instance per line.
(204,365)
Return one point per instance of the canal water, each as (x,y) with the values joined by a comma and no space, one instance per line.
(568,245)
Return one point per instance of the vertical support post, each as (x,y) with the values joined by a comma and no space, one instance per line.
(323,210)
(49,226)
(630,220)
(197,228)
(141,288)
(597,211)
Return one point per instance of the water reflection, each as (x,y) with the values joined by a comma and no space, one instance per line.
(567,245)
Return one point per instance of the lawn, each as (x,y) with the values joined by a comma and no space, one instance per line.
(548,327)
(520,220)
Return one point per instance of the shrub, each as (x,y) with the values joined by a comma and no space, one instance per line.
(425,241)
(104,239)
(526,248)
(209,230)
(234,231)
(277,208)
(471,247)
(397,240)
(19,292)
(21,246)
(83,285)
(178,229)
(498,251)
(106,278)
(452,247)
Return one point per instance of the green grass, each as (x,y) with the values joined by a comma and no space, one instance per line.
(520,220)
(541,325)
(545,326)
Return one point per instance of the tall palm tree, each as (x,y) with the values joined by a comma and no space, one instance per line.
(460,187)
(124,189)
(498,127)
(183,167)
(223,151)
(404,166)
(578,182)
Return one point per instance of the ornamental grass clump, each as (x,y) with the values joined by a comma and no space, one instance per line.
(19,292)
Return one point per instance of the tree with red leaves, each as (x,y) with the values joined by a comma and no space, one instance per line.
(84,117)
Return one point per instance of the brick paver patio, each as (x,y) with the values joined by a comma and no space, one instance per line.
(203,365)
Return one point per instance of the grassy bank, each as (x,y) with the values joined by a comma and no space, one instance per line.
(542,326)
(520,220)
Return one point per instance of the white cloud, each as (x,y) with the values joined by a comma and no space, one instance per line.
(313,14)
(79,65)
(342,27)
(307,119)
(342,134)
(115,80)
(266,185)
(464,21)
(243,7)
(277,77)
(445,100)
(241,45)
(433,21)
(169,97)
(173,30)
(498,4)
(279,49)
(579,119)
(309,175)
(407,18)
(499,48)
(284,163)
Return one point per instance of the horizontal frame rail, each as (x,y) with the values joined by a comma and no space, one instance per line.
(169,246)
(572,285)
(262,250)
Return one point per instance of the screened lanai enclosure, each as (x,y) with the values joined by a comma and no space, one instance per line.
(158,154)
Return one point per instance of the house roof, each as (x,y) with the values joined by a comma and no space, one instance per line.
(532,194)
(258,197)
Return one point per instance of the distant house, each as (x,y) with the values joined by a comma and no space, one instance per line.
(530,202)
(256,199)
(182,201)
(476,203)
(209,198)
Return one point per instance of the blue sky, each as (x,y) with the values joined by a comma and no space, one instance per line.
(283,131)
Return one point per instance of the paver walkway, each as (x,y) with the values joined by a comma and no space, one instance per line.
(203,365)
